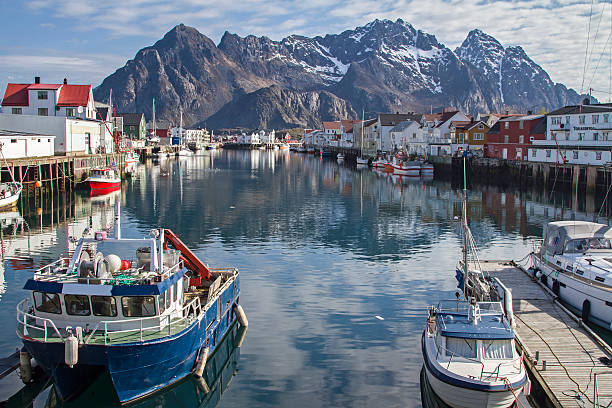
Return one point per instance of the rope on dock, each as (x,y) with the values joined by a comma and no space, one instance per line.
(559,361)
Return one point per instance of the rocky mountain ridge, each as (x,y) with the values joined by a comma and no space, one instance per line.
(384,66)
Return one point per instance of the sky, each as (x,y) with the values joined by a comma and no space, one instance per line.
(85,41)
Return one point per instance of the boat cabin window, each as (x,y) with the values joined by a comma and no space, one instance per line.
(496,349)
(162,303)
(460,347)
(175,292)
(168,298)
(77,305)
(585,244)
(138,306)
(47,302)
(104,306)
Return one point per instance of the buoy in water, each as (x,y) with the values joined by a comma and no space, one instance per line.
(25,365)
(38,211)
(241,315)
(38,183)
(71,351)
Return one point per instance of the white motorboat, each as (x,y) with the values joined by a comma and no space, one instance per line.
(427,170)
(9,194)
(184,152)
(361,160)
(340,157)
(575,262)
(470,356)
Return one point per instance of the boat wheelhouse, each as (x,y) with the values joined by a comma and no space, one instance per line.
(575,262)
(470,356)
(103,181)
(146,310)
(9,194)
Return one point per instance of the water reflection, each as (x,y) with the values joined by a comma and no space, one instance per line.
(322,248)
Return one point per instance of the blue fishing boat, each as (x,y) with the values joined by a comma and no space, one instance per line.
(146,311)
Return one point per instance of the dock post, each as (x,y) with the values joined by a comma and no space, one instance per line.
(591,179)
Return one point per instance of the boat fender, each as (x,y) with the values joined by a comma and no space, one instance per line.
(238,310)
(25,365)
(114,263)
(555,287)
(200,363)
(71,351)
(586,310)
(242,334)
(527,387)
(544,279)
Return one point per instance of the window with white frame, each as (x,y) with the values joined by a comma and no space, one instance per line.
(597,155)
(533,152)
(478,136)
(506,139)
(522,124)
(596,136)
(43,95)
(521,139)
(554,120)
(567,120)
(548,153)
(606,117)
(69,111)
(43,112)
(16,111)
(595,119)
(580,136)
(481,126)
(581,119)
(506,125)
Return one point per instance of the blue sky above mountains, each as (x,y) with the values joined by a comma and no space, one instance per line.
(86,41)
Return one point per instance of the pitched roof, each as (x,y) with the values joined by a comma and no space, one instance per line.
(348,125)
(402,125)
(595,108)
(69,95)
(392,119)
(102,113)
(477,122)
(73,95)
(131,119)
(461,124)
(331,125)
(432,117)
(16,95)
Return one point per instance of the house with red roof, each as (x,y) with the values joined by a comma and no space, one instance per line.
(72,101)
(63,110)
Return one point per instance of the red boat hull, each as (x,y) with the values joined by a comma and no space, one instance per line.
(99,188)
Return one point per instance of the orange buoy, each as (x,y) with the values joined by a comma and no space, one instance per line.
(38,211)
(38,183)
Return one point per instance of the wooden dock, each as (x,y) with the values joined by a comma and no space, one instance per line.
(565,359)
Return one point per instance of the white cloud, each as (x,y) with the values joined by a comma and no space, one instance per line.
(552,32)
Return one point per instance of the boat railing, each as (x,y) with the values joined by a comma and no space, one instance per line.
(191,310)
(51,270)
(25,319)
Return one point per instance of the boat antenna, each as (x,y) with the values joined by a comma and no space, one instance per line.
(465,228)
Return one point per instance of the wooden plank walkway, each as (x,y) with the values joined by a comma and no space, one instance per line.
(9,364)
(572,356)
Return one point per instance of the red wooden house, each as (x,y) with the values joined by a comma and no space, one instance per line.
(510,137)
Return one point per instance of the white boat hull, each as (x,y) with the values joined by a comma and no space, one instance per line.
(362,160)
(459,397)
(11,200)
(574,292)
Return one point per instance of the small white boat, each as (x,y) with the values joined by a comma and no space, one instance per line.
(575,262)
(9,194)
(184,152)
(362,160)
(427,170)
(131,157)
(301,149)
(340,157)
(470,356)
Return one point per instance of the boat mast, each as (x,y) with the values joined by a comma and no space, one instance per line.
(154,124)
(181,130)
(362,130)
(465,231)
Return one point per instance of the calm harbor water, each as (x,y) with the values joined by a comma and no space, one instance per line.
(338,266)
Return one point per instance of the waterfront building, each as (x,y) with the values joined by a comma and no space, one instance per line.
(437,131)
(408,136)
(16,145)
(333,132)
(134,126)
(369,128)
(468,135)
(347,138)
(579,134)
(267,138)
(512,137)
(386,122)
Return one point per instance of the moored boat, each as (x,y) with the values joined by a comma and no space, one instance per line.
(470,356)
(379,162)
(103,181)
(427,169)
(9,194)
(340,157)
(145,311)
(575,262)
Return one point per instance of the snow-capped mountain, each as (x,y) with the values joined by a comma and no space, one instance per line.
(382,66)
